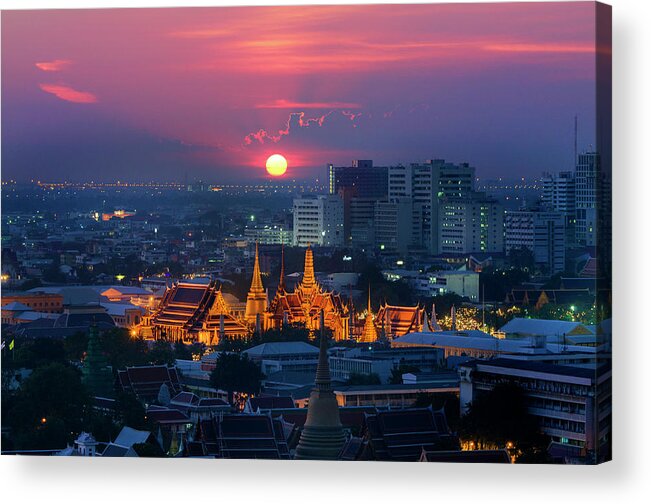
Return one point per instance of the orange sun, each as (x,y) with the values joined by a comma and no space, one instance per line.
(276,165)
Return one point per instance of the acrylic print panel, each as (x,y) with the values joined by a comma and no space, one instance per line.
(192,265)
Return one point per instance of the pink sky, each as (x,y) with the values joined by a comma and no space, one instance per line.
(223,88)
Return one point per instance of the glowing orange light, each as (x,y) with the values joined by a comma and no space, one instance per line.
(276,165)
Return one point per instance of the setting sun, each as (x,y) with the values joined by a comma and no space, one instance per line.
(276,165)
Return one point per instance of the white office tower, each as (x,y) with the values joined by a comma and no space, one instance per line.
(473,223)
(318,220)
(543,233)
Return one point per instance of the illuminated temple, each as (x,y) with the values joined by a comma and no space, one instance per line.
(195,312)
(201,312)
(304,304)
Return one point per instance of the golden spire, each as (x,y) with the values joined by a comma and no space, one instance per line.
(256,281)
(308,274)
(256,301)
(281,282)
(369,334)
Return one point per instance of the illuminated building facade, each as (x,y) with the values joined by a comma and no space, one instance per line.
(194,312)
(304,304)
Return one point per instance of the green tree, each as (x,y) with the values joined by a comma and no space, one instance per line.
(131,412)
(75,346)
(500,418)
(236,373)
(363,379)
(122,350)
(161,352)
(148,450)
(521,258)
(290,332)
(51,407)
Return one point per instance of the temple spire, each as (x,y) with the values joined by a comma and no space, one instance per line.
(435,325)
(309,280)
(256,301)
(256,281)
(323,436)
(281,281)
(369,333)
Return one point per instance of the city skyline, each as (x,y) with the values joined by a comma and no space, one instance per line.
(99,94)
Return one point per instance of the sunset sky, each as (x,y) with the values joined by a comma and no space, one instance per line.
(139,94)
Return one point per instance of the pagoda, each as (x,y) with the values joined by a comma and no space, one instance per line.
(96,373)
(256,301)
(322,437)
(369,333)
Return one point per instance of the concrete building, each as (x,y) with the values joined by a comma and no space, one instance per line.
(269,235)
(396,226)
(473,223)
(559,192)
(296,356)
(360,232)
(572,405)
(435,283)
(427,184)
(543,233)
(366,180)
(318,220)
(359,360)
(587,181)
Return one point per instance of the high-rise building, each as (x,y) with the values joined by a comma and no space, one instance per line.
(559,195)
(543,233)
(427,184)
(559,192)
(368,181)
(359,186)
(473,223)
(396,228)
(587,181)
(318,220)
(362,222)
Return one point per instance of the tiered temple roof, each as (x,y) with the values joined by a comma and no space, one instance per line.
(145,381)
(241,437)
(402,435)
(395,321)
(191,311)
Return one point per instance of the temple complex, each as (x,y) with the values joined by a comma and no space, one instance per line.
(200,312)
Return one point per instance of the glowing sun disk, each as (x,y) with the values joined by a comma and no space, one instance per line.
(276,165)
